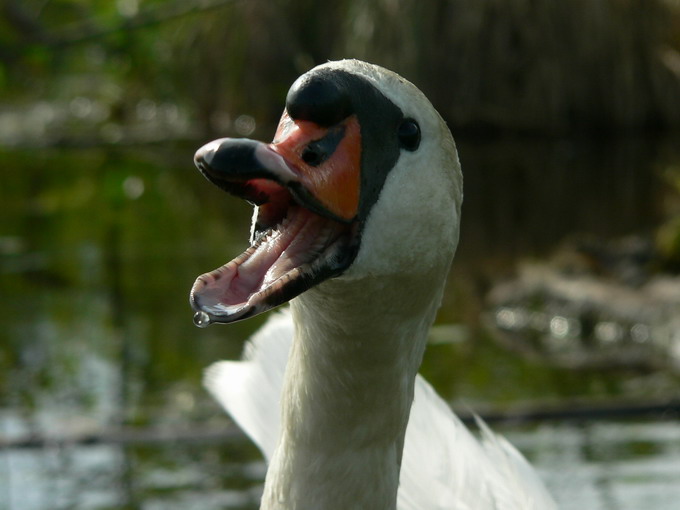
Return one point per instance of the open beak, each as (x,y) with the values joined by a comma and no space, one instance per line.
(306,186)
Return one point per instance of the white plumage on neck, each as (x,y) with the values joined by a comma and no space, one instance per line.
(347,395)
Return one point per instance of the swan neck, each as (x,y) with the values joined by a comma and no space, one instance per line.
(347,396)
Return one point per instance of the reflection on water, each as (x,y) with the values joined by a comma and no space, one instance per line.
(113,476)
(601,466)
(607,466)
(99,248)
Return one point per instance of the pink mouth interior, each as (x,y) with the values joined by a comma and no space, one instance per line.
(264,268)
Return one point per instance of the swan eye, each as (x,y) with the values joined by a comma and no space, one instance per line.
(409,135)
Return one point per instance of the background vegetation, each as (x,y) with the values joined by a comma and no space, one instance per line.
(567,118)
(191,68)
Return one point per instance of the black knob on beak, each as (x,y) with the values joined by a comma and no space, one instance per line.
(320,98)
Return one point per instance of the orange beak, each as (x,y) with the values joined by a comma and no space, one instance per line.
(326,161)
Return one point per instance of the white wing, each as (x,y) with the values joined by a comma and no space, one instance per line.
(250,390)
(443,468)
(446,468)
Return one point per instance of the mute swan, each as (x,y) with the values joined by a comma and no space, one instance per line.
(357,208)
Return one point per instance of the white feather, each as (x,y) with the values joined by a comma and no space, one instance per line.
(444,466)
(250,390)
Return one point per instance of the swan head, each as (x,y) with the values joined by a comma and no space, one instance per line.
(361,180)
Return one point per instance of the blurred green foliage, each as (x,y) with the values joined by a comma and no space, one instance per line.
(81,72)
(99,245)
(511,65)
(668,234)
(98,251)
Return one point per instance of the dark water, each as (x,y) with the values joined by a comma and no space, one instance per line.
(98,250)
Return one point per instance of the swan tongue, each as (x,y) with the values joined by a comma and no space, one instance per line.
(303,249)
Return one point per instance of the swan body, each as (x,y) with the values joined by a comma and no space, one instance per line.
(357,220)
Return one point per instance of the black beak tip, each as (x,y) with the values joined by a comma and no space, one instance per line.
(205,155)
(231,159)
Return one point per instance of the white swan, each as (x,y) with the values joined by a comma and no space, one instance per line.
(358,206)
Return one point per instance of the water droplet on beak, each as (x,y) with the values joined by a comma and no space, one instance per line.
(202,319)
